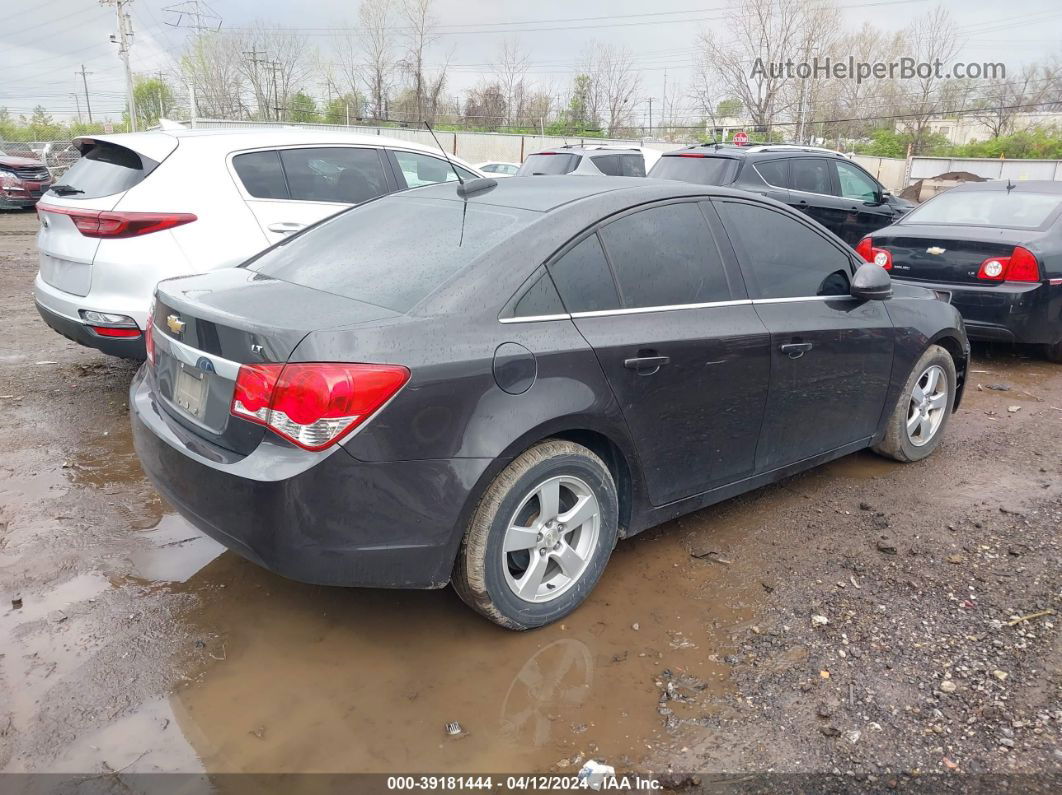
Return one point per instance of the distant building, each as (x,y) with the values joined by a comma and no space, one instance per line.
(967,128)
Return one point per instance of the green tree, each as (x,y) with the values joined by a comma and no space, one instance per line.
(729,108)
(303,108)
(42,127)
(154,100)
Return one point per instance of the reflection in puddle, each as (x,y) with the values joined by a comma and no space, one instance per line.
(177,551)
(303,678)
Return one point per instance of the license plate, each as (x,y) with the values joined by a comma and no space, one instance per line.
(189,391)
(943,295)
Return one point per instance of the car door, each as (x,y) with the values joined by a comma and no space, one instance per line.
(678,340)
(864,196)
(289,189)
(414,169)
(812,192)
(831,354)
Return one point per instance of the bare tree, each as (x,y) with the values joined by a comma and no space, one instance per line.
(275,63)
(212,65)
(618,82)
(376,17)
(932,38)
(1004,99)
(510,68)
(762,35)
(419,35)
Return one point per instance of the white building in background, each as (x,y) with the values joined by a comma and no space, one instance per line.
(968,128)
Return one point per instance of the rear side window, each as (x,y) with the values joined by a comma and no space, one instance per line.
(665,256)
(540,299)
(697,169)
(261,174)
(782,258)
(392,252)
(810,174)
(620,165)
(583,278)
(774,172)
(546,163)
(334,174)
(105,169)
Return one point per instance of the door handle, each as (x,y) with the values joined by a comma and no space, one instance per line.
(794,350)
(646,365)
(286,227)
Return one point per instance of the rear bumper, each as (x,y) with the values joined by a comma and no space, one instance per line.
(126,348)
(1008,312)
(323,518)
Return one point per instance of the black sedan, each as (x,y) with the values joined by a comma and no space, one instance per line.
(994,250)
(490,384)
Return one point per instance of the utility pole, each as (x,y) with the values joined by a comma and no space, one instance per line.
(254,54)
(77,103)
(197,16)
(124,39)
(650,117)
(275,65)
(84,82)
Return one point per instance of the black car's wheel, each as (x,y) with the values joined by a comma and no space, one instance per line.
(1054,352)
(917,423)
(540,537)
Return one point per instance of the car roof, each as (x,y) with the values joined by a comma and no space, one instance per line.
(234,139)
(547,193)
(733,150)
(588,149)
(1024,186)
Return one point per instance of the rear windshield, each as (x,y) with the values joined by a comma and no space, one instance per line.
(699,170)
(620,165)
(559,163)
(103,170)
(987,208)
(392,252)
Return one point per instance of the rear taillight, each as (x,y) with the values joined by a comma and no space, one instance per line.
(314,405)
(113,224)
(1020,266)
(870,253)
(690,154)
(108,331)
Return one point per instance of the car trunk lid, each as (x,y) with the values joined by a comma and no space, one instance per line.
(945,253)
(206,326)
(109,167)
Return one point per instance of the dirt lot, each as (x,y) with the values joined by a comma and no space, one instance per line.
(868,619)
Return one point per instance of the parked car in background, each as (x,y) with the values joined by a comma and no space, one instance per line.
(545,366)
(591,159)
(137,208)
(994,250)
(821,183)
(23,180)
(496,168)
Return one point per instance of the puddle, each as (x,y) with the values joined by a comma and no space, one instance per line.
(177,551)
(302,678)
(77,589)
(107,460)
(864,465)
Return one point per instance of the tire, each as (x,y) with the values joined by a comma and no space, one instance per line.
(902,445)
(488,578)
(1053,353)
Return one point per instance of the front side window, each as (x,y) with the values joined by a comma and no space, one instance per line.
(583,278)
(549,163)
(781,257)
(262,175)
(665,256)
(343,174)
(620,165)
(855,184)
(418,169)
(810,174)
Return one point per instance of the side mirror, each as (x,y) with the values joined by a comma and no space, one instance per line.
(871,283)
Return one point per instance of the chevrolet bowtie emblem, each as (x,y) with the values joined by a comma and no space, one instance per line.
(176,325)
(936,250)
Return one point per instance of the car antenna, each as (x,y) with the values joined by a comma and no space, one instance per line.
(448,160)
(1010,185)
(464,189)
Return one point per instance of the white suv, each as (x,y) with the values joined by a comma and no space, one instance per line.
(142,207)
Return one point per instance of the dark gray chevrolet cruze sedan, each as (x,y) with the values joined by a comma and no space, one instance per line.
(491,384)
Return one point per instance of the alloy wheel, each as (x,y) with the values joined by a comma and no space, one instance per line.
(550,539)
(929,402)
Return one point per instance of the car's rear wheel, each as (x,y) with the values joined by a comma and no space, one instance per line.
(916,425)
(540,537)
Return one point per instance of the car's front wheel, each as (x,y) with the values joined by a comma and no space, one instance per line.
(916,425)
(1053,352)
(540,537)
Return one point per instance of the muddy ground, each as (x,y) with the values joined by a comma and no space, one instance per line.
(870,619)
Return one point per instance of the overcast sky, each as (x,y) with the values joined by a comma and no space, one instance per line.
(43,44)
